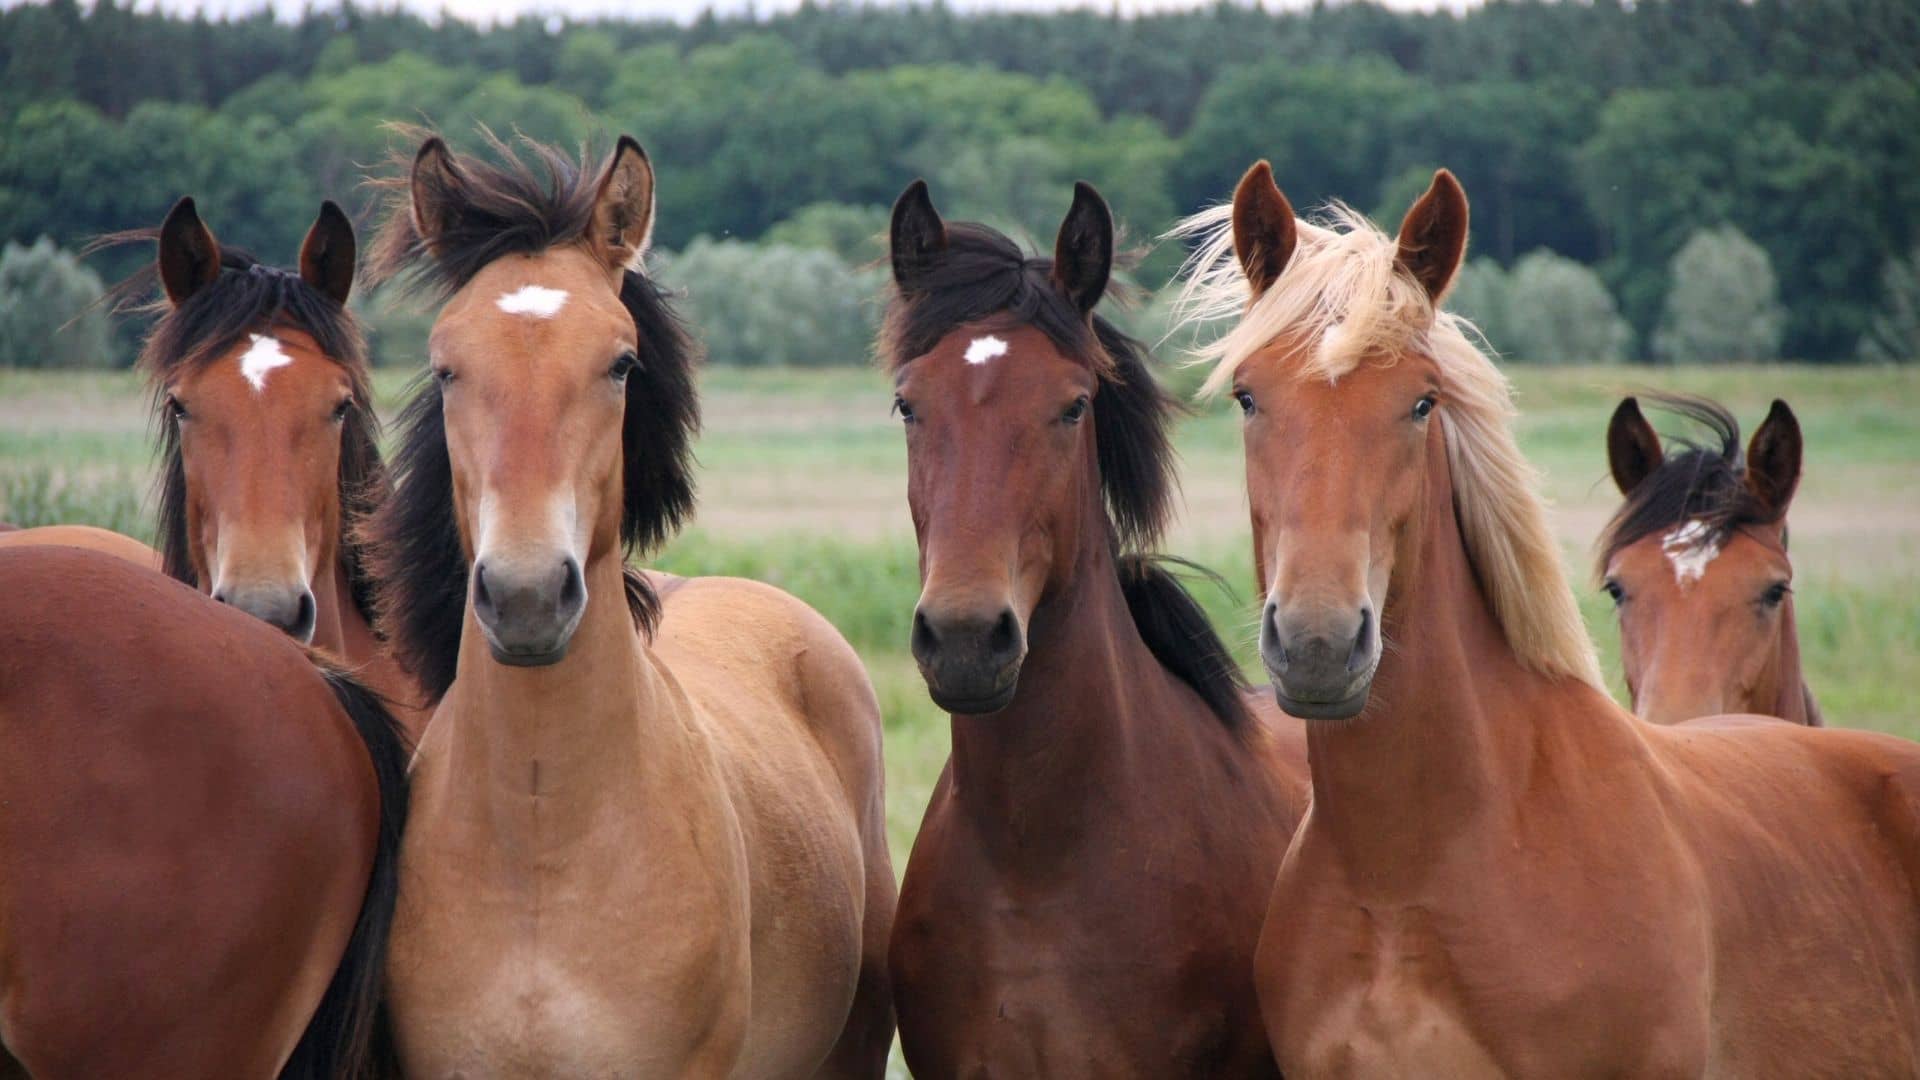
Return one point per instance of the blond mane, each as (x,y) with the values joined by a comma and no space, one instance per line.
(1344,289)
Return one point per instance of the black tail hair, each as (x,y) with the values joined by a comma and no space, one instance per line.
(339,1040)
(1179,635)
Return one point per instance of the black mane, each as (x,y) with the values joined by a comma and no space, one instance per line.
(1697,480)
(249,295)
(507,207)
(982,276)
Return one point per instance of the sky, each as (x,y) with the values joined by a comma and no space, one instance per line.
(488,11)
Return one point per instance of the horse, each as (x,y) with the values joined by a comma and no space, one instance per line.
(649,833)
(185,890)
(1696,564)
(1503,872)
(268,451)
(1088,884)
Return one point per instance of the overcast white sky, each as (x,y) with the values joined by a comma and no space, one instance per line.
(495,10)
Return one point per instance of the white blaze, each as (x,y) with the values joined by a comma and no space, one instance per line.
(984,349)
(264,355)
(1689,548)
(535,300)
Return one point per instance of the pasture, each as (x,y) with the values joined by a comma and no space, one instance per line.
(802,484)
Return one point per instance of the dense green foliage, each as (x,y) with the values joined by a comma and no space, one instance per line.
(1724,305)
(1604,132)
(49,310)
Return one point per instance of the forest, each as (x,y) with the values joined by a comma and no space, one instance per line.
(1665,181)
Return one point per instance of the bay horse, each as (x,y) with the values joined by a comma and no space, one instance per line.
(649,831)
(268,455)
(1696,564)
(1087,887)
(1503,872)
(184,889)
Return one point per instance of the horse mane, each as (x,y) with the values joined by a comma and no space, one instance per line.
(1344,290)
(508,206)
(984,277)
(1703,481)
(246,296)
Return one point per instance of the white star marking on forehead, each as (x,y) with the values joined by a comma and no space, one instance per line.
(535,300)
(262,357)
(984,349)
(1689,548)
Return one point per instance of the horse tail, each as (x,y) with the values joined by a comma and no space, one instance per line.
(340,1040)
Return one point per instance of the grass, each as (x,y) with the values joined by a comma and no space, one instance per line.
(803,485)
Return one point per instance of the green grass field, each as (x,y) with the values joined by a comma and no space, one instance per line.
(803,485)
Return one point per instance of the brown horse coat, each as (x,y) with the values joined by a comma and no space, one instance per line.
(1502,872)
(1087,887)
(189,823)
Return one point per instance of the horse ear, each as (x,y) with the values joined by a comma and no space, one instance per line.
(916,237)
(1083,252)
(623,208)
(189,255)
(435,186)
(1633,447)
(1433,238)
(1773,460)
(326,257)
(1264,233)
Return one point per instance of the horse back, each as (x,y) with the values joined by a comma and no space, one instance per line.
(188,829)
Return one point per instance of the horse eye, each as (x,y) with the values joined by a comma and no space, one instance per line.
(1246,401)
(1423,408)
(340,410)
(443,375)
(1074,412)
(1613,590)
(901,409)
(174,409)
(623,366)
(1775,593)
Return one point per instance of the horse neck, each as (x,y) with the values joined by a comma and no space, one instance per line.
(1451,726)
(1793,699)
(336,615)
(556,747)
(1071,728)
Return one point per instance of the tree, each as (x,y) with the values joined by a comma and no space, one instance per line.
(1559,312)
(49,310)
(1724,303)
(760,305)
(858,234)
(1480,294)
(1893,337)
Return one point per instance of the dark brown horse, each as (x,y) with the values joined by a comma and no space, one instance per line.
(1696,563)
(1504,873)
(268,452)
(1087,887)
(198,836)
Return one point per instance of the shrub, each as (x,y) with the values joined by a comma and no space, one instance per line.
(1893,337)
(1557,311)
(49,315)
(1723,302)
(770,304)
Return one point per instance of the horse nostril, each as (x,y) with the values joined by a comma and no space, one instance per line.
(1272,644)
(924,640)
(572,589)
(1004,640)
(1362,651)
(482,599)
(220,597)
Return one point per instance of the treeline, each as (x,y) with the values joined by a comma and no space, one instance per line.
(1594,138)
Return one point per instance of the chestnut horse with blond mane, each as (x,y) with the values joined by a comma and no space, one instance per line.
(1696,563)
(1087,888)
(268,455)
(648,836)
(1502,871)
(198,838)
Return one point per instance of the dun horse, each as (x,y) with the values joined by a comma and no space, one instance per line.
(184,889)
(1087,887)
(649,834)
(1696,563)
(268,458)
(1503,872)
